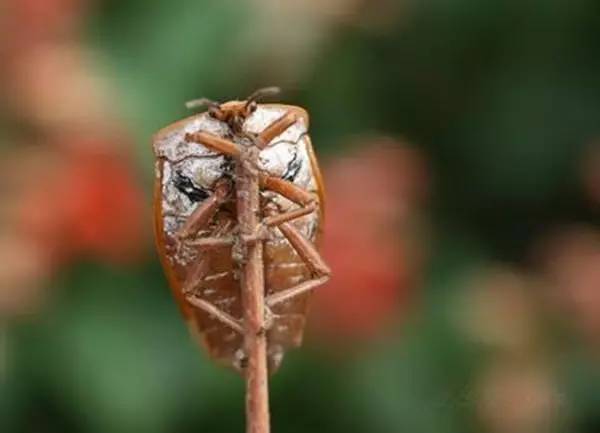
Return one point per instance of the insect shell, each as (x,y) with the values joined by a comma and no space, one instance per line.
(187,175)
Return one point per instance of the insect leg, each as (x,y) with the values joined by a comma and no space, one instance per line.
(195,277)
(275,220)
(309,254)
(287,189)
(204,213)
(305,249)
(213,142)
(275,129)
(292,292)
(306,200)
(290,191)
(215,312)
(212,242)
(198,219)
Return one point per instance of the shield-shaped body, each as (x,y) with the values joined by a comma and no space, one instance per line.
(186,174)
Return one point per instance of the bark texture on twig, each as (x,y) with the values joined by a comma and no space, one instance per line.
(253,292)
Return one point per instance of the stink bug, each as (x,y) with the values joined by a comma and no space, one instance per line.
(196,221)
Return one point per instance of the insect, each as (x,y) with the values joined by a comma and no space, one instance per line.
(196,221)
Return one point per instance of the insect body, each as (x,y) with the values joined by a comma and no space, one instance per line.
(196,221)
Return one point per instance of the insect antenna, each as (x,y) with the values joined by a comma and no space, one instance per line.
(262,93)
(214,108)
(201,102)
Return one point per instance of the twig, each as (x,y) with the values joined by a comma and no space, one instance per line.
(253,293)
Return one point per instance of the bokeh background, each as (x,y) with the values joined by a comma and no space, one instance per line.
(460,142)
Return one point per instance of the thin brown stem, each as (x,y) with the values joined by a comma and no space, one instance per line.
(253,294)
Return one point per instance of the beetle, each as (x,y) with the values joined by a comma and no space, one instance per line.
(196,221)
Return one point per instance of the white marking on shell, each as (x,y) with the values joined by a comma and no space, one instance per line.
(204,172)
(264,116)
(170,224)
(215,277)
(225,301)
(276,157)
(173,146)
(287,265)
(305,176)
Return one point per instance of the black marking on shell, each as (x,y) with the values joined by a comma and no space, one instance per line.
(227,167)
(186,186)
(293,168)
(300,138)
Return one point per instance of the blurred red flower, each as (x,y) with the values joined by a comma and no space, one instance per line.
(371,205)
(74,194)
(89,203)
(30,22)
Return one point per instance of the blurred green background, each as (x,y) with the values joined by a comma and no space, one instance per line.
(460,142)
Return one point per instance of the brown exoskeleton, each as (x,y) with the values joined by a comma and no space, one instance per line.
(196,220)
